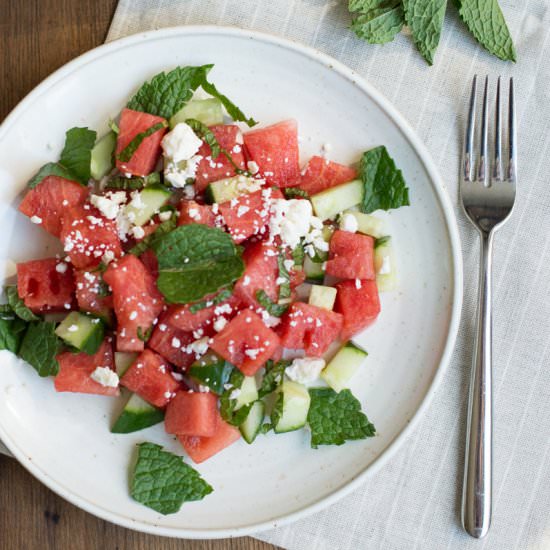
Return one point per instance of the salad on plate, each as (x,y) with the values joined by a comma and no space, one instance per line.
(207,276)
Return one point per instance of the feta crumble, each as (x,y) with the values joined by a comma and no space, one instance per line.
(304,370)
(349,223)
(181,143)
(105,376)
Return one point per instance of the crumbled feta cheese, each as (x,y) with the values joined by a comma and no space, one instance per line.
(289,264)
(61,267)
(349,223)
(385,268)
(198,347)
(246,280)
(109,204)
(252,167)
(219,324)
(108,257)
(165,216)
(105,376)
(357,284)
(304,370)
(133,315)
(36,219)
(178,173)
(181,143)
(235,393)
(252,353)
(138,232)
(176,342)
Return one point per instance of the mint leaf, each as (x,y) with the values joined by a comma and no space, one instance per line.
(18,306)
(295,192)
(166,93)
(163,482)
(128,152)
(40,346)
(50,169)
(133,183)
(284,287)
(232,110)
(162,229)
(12,329)
(221,297)
(227,405)
(277,310)
(381,241)
(486,22)
(425,19)
(273,377)
(77,153)
(378,22)
(206,135)
(212,371)
(196,260)
(383,182)
(298,255)
(335,418)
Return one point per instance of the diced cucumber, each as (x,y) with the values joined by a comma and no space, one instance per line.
(313,270)
(83,332)
(368,224)
(248,392)
(102,161)
(123,360)
(250,428)
(291,408)
(137,415)
(384,266)
(208,111)
(343,366)
(328,203)
(212,371)
(322,296)
(230,188)
(143,207)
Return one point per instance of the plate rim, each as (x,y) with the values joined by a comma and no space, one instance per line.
(457,277)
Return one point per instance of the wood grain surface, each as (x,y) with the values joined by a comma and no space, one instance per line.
(37,37)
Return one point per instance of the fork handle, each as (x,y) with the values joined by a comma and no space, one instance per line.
(476,495)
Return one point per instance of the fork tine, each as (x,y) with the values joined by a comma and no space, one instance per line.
(469,139)
(497,172)
(483,155)
(512,136)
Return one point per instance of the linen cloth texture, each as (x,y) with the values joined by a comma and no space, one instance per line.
(413,501)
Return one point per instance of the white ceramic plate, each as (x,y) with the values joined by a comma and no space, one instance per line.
(64,439)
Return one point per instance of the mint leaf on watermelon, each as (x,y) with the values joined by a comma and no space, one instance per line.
(194,261)
(425,19)
(206,135)
(218,299)
(166,93)
(377,21)
(163,482)
(277,310)
(383,182)
(50,169)
(77,153)
(126,154)
(273,377)
(18,306)
(335,418)
(133,183)
(486,22)
(12,330)
(40,346)
(232,110)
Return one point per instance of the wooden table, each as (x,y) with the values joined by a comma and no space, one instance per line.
(37,37)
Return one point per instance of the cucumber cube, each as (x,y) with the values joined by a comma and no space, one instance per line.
(101,162)
(248,393)
(368,224)
(384,266)
(123,361)
(137,415)
(83,332)
(146,204)
(208,111)
(230,188)
(322,296)
(330,202)
(291,408)
(343,366)
(313,270)
(250,428)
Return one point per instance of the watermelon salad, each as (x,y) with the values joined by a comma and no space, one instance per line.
(205,275)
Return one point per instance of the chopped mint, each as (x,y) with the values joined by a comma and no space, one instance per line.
(206,135)
(218,299)
(163,482)
(50,169)
(194,261)
(383,182)
(277,310)
(144,335)
(486,22)
(295,193)
(234,112)
(381,241)
(40,346)
(273,377)
(133,183)
(377,21)
(77,153)
(425,19)
(284,287)
(12,330)
(127,153)
(335,418)
(227,404)
(18,306)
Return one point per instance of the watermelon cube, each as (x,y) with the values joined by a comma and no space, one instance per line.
(46,202)
(76,369)
(310,328)
(359,303)
(46,285)
(192,413)
(246,342)
(351,256)
(150,377)
(145,157)
(193,212)
(275,150)
(89,294)
(320,174)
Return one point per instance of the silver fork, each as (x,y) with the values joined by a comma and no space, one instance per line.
(487,198)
